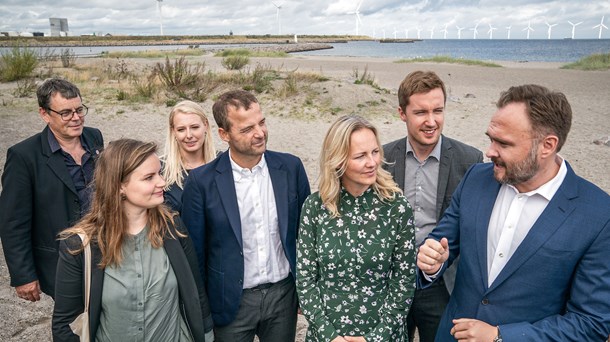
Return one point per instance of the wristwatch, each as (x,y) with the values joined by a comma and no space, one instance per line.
(498,338)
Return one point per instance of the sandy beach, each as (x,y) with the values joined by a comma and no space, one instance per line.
(298,123)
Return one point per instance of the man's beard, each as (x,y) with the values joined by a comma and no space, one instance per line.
(522,171)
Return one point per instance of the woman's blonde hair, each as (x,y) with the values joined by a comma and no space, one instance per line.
(174,168)
(106,223)
(335,156)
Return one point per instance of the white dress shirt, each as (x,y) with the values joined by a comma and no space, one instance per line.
(264,258)
(512,217)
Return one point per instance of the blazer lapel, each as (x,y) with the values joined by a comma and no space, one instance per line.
(399,153)
(56,162)
(226,191)
(486,205)
(553,216)
(443,175)
(279,179)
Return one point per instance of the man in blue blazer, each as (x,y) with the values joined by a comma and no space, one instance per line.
(45,188)
(532,236)
(242,211)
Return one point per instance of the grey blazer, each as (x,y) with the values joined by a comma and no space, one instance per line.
(456,159)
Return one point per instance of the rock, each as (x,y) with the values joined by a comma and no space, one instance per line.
(602,141)
(470,96)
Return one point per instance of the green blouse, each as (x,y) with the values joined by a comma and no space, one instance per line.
(356,272)
(140,299)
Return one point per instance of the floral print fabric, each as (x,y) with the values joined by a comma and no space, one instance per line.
(356,272)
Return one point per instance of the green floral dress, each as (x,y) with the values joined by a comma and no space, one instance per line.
(356,272)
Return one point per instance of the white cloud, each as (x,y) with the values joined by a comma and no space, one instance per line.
(196,17)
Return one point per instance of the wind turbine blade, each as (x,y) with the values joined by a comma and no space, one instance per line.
(358,18)
(359,4)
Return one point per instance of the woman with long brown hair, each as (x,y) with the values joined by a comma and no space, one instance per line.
(145,282)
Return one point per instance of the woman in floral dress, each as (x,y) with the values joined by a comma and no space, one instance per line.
(356,252)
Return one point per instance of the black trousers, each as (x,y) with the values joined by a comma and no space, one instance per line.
(426,311)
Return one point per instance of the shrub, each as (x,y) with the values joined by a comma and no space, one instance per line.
(68,58)
(17,63)
(179,76)
(235,62)
(25,87)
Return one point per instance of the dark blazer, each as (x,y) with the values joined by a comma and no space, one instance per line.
(556,287)
(211,214)
(38,201)
(456,158)
(69,299)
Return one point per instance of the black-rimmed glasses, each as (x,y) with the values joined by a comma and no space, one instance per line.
(67,114)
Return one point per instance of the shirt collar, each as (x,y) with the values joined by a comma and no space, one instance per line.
(548,189)
(54,144)
(241,172)
(436,152)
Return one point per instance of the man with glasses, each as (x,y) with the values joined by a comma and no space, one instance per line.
(45,188)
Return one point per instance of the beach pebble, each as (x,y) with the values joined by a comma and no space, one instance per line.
(602,141)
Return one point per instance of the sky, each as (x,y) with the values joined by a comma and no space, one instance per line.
(391,18)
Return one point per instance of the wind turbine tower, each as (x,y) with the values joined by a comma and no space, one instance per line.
(459,31)
(395,33)
(432,32)
(491,31)
(528,29)
(357,14)
(277,16)
(445,31)
(475,31)
(601,27)
(574,27)
(550,29)
(406,33)
(508,28)
(160,15)
(418,33)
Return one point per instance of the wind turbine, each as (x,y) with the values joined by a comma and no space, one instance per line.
(277,16)
(550,29)
(357,14)
(445,31)
(432,32)
(601,27)
(508,28)
(418,33)
(160,16)
(528,29)
(459,31)
(406,33)
(491,31)
(475,31)
(395,33)
(574,27)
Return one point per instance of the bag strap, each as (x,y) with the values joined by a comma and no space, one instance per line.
(87,273)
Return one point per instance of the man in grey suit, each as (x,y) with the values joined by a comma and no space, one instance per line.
(428,167)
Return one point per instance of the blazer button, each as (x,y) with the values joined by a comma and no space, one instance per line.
(241,282)
(485,301)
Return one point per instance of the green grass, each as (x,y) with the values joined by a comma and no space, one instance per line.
(250,53)
(153,53)
(448,59)
(600,61)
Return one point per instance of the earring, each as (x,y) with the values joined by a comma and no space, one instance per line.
(123,197)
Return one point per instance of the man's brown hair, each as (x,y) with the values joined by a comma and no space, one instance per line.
(418,82)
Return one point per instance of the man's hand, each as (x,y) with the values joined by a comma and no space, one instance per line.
(30,291)
(432,254)
(472,330)
(355,339)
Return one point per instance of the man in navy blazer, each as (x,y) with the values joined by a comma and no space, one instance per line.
(242,211)
(532,236)
(45,188)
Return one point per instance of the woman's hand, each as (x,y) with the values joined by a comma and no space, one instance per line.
(355,339)
(339,339)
